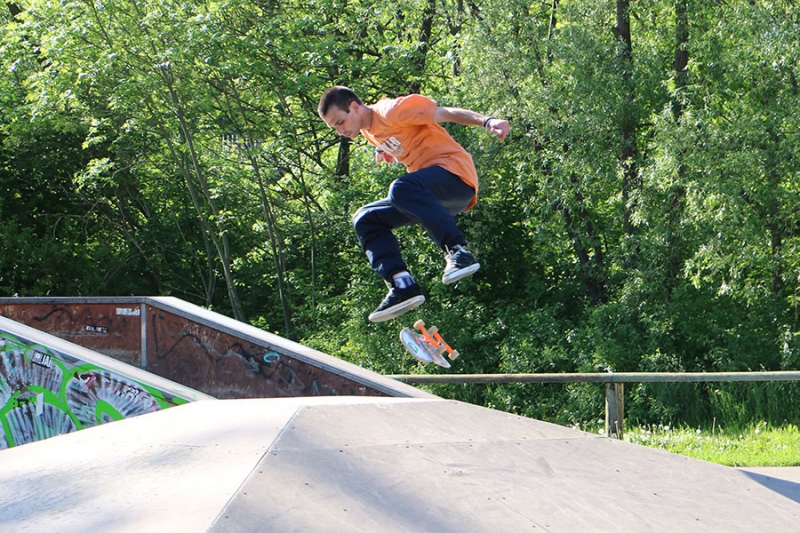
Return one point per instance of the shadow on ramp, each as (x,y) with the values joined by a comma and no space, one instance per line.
(787,489)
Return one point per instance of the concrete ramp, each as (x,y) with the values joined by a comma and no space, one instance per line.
(350,464)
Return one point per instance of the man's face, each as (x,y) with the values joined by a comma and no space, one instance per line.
(347,124)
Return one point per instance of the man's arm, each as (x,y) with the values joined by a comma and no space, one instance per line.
(465,117)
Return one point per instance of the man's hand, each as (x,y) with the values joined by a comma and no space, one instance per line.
(383,157)
(498,127)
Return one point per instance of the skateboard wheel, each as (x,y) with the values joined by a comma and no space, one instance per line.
(432,330)
(453,355)
(440,349)
(419,324)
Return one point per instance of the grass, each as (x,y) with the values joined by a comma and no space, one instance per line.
(758,445)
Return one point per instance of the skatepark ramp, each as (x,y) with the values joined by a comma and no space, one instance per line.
(371,464)
(71,363)
(331,451)
(200,349)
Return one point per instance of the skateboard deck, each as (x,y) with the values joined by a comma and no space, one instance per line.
(427,346)
(419,348)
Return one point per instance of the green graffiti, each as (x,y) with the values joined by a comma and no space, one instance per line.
(44,393)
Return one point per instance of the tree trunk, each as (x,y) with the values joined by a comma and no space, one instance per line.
(678,193)
(425,34)
(276,245)
(192,170)
(631,181)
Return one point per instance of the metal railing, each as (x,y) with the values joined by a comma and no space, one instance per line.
(615,407)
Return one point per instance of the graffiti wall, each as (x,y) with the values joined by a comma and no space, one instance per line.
(207,357)
(206,351)
(224,366)
(111,329)
(44,393)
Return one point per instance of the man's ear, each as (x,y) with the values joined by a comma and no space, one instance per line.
(354,107)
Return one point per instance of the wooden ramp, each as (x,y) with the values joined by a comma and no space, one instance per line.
(350,464)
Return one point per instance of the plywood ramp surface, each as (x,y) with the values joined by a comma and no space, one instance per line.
(373,465)
(452,467)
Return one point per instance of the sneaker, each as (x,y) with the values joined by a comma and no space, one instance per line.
(397,302)
(460,264)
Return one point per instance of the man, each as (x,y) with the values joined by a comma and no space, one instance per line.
(441,182)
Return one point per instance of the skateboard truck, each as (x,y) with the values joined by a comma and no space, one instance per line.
(432,336)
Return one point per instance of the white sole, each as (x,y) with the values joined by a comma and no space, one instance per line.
(397,310)
(460,274)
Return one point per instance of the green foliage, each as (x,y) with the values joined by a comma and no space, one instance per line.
(637,218)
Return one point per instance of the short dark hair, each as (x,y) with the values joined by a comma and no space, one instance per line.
(338,96)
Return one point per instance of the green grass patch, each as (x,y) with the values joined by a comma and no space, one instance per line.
(758,445)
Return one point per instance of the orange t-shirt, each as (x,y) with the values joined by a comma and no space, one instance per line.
(404,127)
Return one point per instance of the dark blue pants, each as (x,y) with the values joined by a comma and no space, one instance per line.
(430,197)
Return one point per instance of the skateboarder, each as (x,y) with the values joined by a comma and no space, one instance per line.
(441,182)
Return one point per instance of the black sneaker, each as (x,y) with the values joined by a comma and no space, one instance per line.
(397,302)
(460,264)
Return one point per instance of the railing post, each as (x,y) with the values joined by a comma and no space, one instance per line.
(615,410)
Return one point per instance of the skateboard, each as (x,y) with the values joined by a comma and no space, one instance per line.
(427,346)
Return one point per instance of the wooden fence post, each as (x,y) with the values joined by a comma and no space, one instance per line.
(615,410)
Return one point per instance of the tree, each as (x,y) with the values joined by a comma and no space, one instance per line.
(642,215)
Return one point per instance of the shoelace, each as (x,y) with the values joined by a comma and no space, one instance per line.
(450,255)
